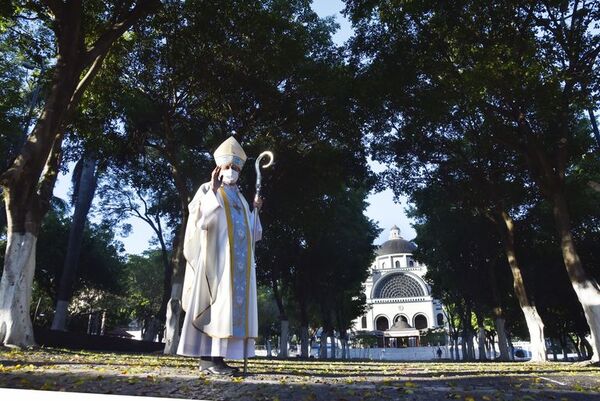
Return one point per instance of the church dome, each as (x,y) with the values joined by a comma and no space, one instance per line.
(396,244)
(399,245)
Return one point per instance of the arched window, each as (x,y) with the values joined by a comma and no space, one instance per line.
(363,322)
(397,264)
(411,263)
(382,323)
(440,319)
(398,285)
(420,322)
(383,265)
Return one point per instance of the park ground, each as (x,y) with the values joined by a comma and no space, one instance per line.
(159,375)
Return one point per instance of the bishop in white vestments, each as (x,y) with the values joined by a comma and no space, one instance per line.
(219,294)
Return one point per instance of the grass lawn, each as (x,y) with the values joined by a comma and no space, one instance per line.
(178,377)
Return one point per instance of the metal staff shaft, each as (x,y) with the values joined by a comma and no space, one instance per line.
(257,167)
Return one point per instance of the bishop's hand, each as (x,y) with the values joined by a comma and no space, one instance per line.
(216,181)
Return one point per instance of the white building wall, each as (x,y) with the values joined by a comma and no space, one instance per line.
(410,308)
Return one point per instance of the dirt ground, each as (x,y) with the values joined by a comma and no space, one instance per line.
(290,380)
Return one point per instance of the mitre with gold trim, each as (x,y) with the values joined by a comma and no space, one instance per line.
(230,151)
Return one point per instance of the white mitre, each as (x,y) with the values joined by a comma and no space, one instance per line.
(230,151)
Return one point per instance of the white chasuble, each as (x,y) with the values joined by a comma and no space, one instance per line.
(219,292)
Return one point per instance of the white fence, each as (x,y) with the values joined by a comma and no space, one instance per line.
(398,354)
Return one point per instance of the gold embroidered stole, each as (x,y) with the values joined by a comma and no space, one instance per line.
(230,236)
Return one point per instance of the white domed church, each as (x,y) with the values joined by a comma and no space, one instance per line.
(398,298)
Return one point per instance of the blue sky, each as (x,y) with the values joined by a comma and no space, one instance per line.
(381,209)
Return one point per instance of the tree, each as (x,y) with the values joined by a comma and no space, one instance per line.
(144,286)
(101,259)
(83,37)
(84,178)
(528,69)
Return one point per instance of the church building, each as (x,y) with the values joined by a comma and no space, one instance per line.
(398,298)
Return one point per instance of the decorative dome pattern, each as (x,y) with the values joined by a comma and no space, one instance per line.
(398,285)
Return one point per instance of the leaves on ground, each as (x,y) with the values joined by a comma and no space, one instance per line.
(174,376)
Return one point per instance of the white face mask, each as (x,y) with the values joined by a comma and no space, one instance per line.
(229,176)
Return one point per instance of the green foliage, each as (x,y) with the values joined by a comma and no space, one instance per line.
(268,315)
(144,284)
(433,337)
(478,107)
(268,71)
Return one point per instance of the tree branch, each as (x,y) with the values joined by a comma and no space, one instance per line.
(103,43)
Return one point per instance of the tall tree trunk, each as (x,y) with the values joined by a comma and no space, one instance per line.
(464,344)
(585,286)
(28,183)
(553,344)
(500,324)
(589,352)
(511,349)
(481,336)
(178,262)
(173,306)
(15,287)
(333,344)
(283,339)
(323,347)
(344,342)
(498,311)
(468,349)
(84,188)
(564,346)
(595,129)
(575,341)
(284,323)
(2,212)
(24,221)
(27,194)
(535,326)
(158,320)
(304,341)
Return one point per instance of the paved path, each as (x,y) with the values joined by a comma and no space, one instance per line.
(274,380)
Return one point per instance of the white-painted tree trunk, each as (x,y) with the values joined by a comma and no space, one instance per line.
(269,349)
(502,339)
(333,346)
(470,345)
(589,297)
(283,339)
(535,326)
(172,323)
(323,348)
(86,187)
(481,343)
(536,333)
(15,290)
